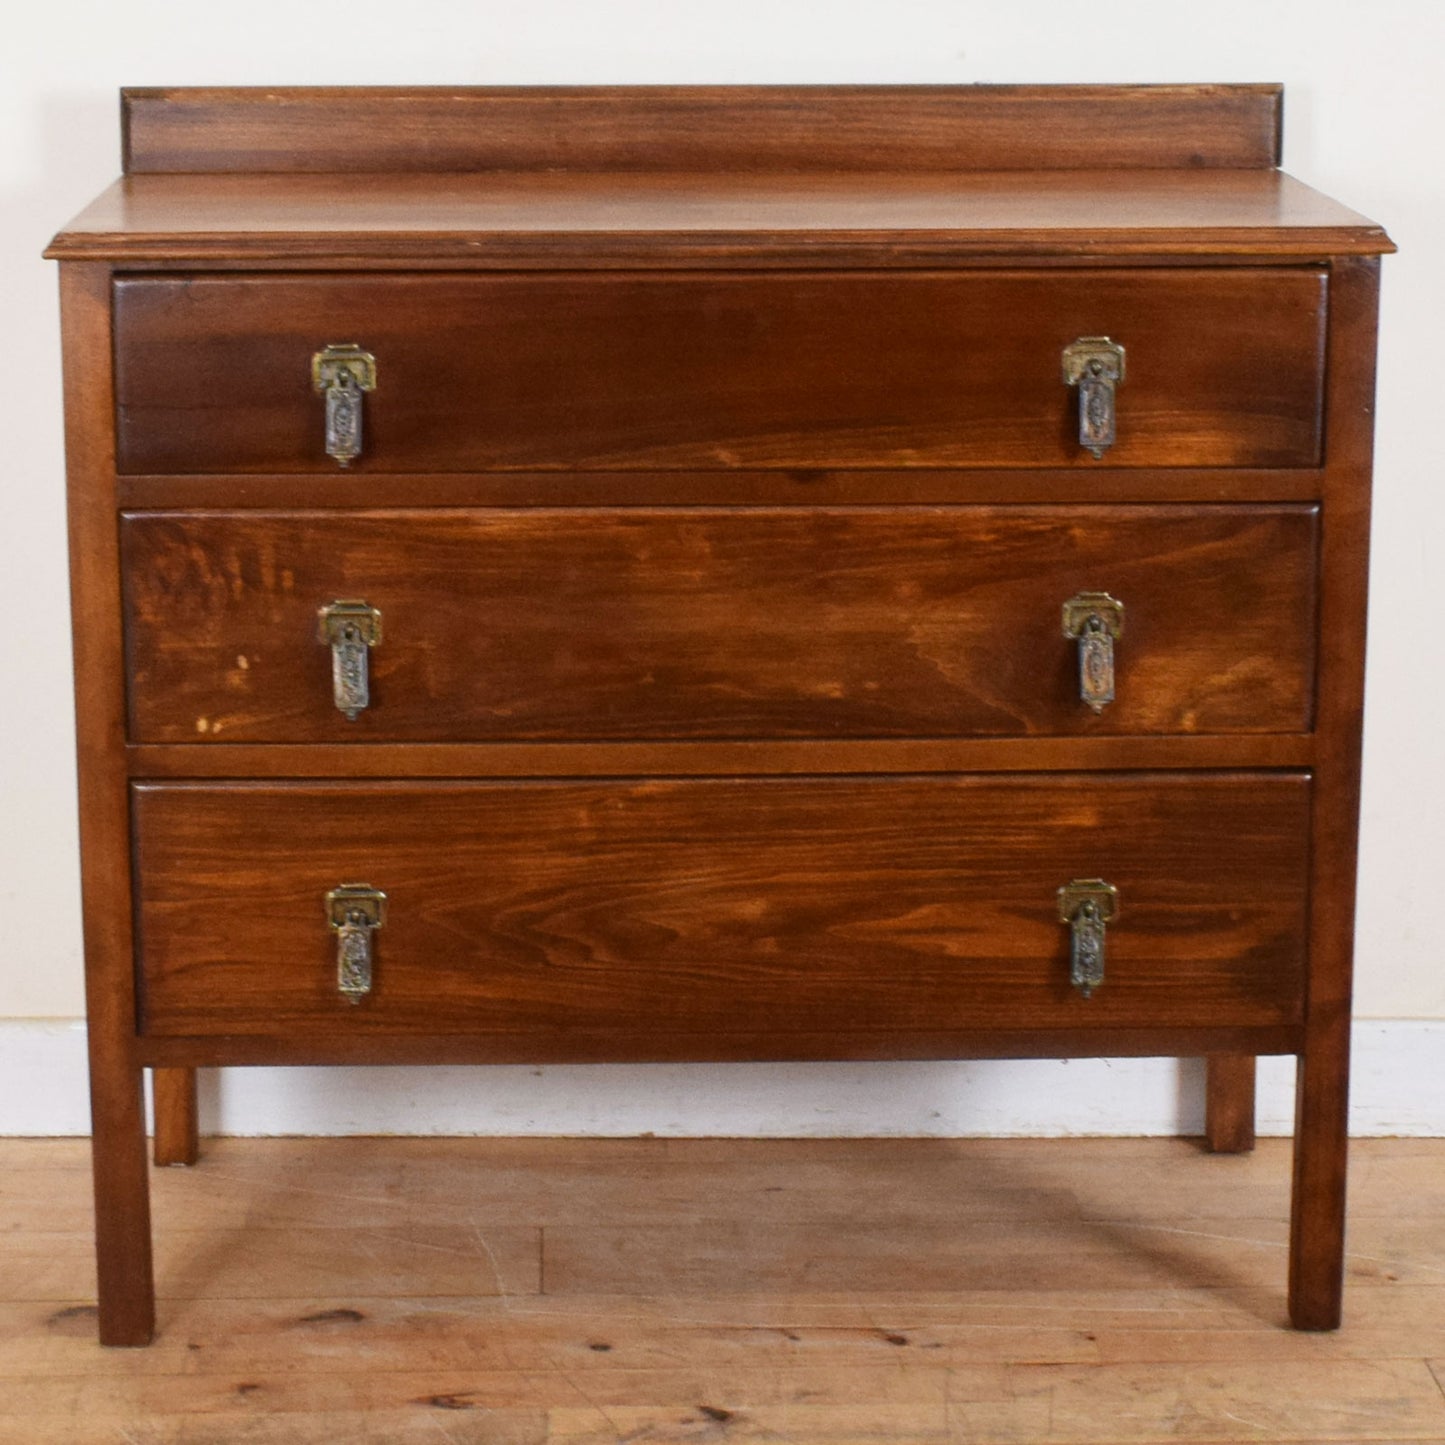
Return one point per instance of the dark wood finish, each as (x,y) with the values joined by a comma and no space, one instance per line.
(718,624)
(122,1198)
(1317,1217)
(1229,1103)
(690,128)
(177,1124)
(707,759)
(830,355)
(750,904)
(544,221)
(719,487)
(213,373)
(592,1046)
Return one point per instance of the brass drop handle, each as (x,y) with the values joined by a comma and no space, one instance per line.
(351,628)
(1094,620)
(355,911)
(1095,365)
(1087,905)
(342,373)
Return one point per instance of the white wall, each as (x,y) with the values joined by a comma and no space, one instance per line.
(1365,105)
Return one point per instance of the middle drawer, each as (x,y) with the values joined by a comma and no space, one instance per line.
(697,623)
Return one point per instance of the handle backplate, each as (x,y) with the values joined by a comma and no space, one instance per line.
(1095,365)
(355,912)
(1087,905)
(341,373)
(351,627)
(1094,620)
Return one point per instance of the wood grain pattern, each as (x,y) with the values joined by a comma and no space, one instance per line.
(578,1044)
(864,1255)
(173,1104)
(789,302)
(122,1217)
(734,487)
(1225,367)
(1322,1095)
(544,221)
(406,1257)
(699,127)
(902,1400)
(371,1336)
(702,624)
(705,759)
(1229,1104)
(727,904)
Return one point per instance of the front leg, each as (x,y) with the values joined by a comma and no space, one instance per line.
(1317,1206)
(126,1289)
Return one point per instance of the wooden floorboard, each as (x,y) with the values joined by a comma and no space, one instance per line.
(827,1292)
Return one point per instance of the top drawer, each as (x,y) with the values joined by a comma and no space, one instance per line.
(685,370)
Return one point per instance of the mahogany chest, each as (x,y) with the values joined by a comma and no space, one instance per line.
(716,573)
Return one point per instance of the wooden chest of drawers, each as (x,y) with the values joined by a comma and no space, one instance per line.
(716,574)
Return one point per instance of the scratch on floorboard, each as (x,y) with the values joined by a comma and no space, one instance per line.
(503,1298)
(1281,1245)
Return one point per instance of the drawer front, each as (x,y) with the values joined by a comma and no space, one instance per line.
(1223,368)
(700,623)
(766,905)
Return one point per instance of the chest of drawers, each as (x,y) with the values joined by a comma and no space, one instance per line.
(716,574)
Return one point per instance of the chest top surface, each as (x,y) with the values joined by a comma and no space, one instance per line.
(706,177)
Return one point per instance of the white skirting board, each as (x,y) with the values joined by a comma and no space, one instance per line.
(1397,1087)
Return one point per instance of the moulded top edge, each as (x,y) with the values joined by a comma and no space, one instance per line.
(715,220)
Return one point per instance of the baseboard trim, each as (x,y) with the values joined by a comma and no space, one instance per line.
(1398,1088)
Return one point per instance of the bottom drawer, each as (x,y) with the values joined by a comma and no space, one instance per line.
(765,905)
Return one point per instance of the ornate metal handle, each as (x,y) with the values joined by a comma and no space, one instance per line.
(341,373)
(355,911)
(350,629)
(1094,620)
(1095,365)
(1086,905)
